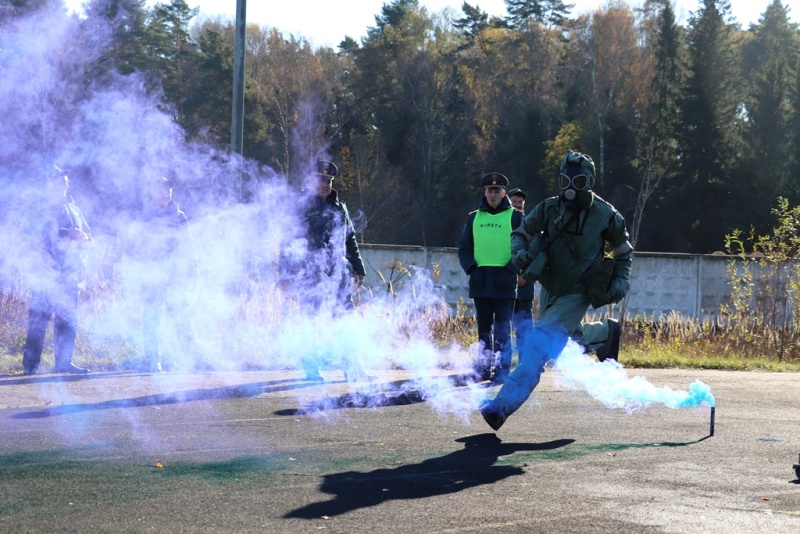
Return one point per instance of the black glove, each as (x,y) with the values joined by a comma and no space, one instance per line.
(521,259)
(617,290)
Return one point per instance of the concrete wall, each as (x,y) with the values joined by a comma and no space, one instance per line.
(693,285)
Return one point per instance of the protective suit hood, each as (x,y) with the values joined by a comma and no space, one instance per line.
(576,179)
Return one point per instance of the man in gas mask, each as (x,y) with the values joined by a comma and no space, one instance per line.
(576,245)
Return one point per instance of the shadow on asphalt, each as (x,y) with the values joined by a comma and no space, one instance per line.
(460,470)
(375,399)
(227,392)
(45,378)
(376,395)
(397,393)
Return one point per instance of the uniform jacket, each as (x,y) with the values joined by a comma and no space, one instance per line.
(165,245)
(329,248)
(66,255)
(526,291)
(488,282)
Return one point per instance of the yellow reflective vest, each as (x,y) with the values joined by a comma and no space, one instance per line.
(492,238)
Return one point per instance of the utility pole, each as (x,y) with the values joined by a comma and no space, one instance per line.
(237,118)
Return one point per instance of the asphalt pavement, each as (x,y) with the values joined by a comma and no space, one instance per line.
(266,451)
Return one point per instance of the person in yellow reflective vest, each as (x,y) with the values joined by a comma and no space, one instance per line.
(484,251)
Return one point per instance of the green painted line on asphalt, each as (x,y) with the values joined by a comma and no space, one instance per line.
(577,451)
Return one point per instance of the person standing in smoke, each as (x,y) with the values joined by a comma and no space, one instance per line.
(322,272)
(484,251)
(63,235)
(523,306)
(168,268)
(575,229)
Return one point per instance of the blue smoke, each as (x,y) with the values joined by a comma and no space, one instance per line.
(609,383)
(115,136)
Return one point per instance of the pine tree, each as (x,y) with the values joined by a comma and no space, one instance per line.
(552,13)
(174,55)
(710,124)
(770,64)
(657,161)
(120,27)
(473,23)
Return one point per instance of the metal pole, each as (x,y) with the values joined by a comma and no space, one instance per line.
(237,118)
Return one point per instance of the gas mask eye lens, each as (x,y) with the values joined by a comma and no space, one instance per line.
(578,182)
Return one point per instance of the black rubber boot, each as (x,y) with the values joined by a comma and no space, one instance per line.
(611,347)
(493,416)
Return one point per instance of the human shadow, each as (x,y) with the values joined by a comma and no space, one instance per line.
(463,469)
(173,397)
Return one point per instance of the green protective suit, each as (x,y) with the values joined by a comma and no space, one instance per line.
(579,241)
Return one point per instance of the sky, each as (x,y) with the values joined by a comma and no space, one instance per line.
(326,23)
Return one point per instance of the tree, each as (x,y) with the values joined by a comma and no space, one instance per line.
(793,133)
(706,204)
(412,87)
(518,103)
(657,148)
(207,110)
(474,22)
(522,12)
(174,55)
(770,59)
(552,13)
(299,86)
(120,28)
(607,47)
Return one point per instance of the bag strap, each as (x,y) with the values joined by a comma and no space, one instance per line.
(578,260)
(558,231)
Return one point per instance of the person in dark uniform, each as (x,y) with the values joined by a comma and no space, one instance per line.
(484,251)
(168,269)
(523,306)
(64,233)
(324,273)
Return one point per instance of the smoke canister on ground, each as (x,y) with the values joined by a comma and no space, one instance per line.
(713,414)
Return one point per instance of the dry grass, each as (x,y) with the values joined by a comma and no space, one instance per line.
(666,341)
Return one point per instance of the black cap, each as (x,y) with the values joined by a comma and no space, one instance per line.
(494,179)
(326,168)
(517,192)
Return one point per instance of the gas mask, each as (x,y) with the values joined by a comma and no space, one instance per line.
(574,184)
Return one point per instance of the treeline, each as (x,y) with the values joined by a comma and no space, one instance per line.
(694,129)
